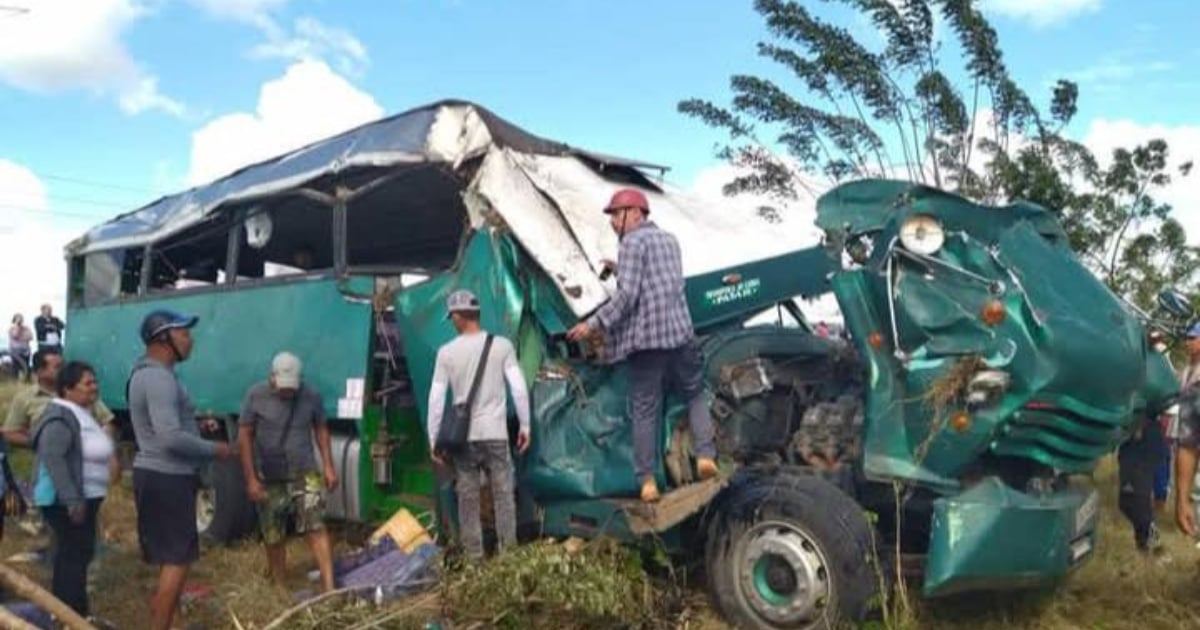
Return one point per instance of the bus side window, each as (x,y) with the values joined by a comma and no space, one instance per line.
(75,281)
(101,277)
(191,258)
(300,241)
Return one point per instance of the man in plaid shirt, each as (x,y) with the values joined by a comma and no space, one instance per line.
(647,324)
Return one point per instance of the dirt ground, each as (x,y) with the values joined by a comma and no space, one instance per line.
(1118,589)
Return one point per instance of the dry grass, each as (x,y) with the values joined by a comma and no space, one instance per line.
(1118,589)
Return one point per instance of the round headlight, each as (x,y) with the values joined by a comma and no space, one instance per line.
(922,234)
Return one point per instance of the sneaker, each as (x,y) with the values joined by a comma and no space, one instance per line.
(650,490)
(1153,544)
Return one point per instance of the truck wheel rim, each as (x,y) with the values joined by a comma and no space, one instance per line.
(783,575)
(206,507)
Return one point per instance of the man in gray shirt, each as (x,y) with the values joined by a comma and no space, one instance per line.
(282,419)
(170,453)
(487,442)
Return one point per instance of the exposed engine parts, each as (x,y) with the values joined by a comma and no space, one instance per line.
(829,434)
(802,408)
(746,379)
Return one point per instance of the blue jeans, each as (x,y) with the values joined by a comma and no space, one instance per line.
(492,456)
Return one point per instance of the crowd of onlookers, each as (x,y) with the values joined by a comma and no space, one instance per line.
(47,331)
(72,437)
(71,434)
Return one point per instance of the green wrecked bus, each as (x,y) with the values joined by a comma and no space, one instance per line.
(967,392)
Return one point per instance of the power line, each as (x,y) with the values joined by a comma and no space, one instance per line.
(106,203)
(60,213)
(98,202)
(95,184)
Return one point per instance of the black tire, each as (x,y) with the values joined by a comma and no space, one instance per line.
(233,516)
(771,531)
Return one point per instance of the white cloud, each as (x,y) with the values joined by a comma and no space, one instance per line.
(31,233)
(146,97)
(309,102)
(257,12)
(309,39)
(1115,73)
(61,45)
(314,40)
(1183,194)
(1041,13)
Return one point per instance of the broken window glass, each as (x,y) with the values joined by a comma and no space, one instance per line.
(414,222)
(288,236)
(102,277)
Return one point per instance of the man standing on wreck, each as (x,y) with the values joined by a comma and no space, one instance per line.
(647,323)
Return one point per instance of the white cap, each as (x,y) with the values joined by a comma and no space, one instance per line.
(462,301)
(285,368)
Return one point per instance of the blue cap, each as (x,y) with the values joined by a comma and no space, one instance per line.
(1193,331)
(160,321)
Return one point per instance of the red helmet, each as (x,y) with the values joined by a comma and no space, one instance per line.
(627,198)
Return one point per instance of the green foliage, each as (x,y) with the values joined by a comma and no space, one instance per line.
(867,109)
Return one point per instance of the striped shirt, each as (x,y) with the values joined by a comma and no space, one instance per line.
(649,310)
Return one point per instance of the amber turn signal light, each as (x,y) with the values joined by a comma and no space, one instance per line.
(993,312)
(876,340)
(960,422)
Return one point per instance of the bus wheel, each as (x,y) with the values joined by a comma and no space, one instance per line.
(223,512)
(790,551)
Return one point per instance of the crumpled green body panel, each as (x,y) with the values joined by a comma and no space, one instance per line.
(873,204)
(1081,371)
(488,268)
(581,441)
(992,536)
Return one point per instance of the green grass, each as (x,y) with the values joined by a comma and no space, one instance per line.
(1118,588)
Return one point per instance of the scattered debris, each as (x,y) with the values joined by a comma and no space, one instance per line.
(393,573)
(28,590)
(405,530)
(31,614)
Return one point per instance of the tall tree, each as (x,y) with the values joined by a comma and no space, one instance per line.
(892,110)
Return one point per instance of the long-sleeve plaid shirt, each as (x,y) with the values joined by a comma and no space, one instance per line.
(649,310)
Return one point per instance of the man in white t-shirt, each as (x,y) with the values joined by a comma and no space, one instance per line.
(487,445)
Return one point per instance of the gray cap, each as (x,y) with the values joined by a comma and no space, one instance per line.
(462,300)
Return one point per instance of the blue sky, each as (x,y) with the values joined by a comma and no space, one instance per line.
(140,97)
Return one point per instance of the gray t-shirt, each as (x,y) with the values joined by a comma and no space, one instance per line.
(268,413)
(164,422)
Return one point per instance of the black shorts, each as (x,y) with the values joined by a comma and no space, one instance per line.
(166,516)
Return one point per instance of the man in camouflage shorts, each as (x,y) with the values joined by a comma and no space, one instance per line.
(300,503)
(281,420)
